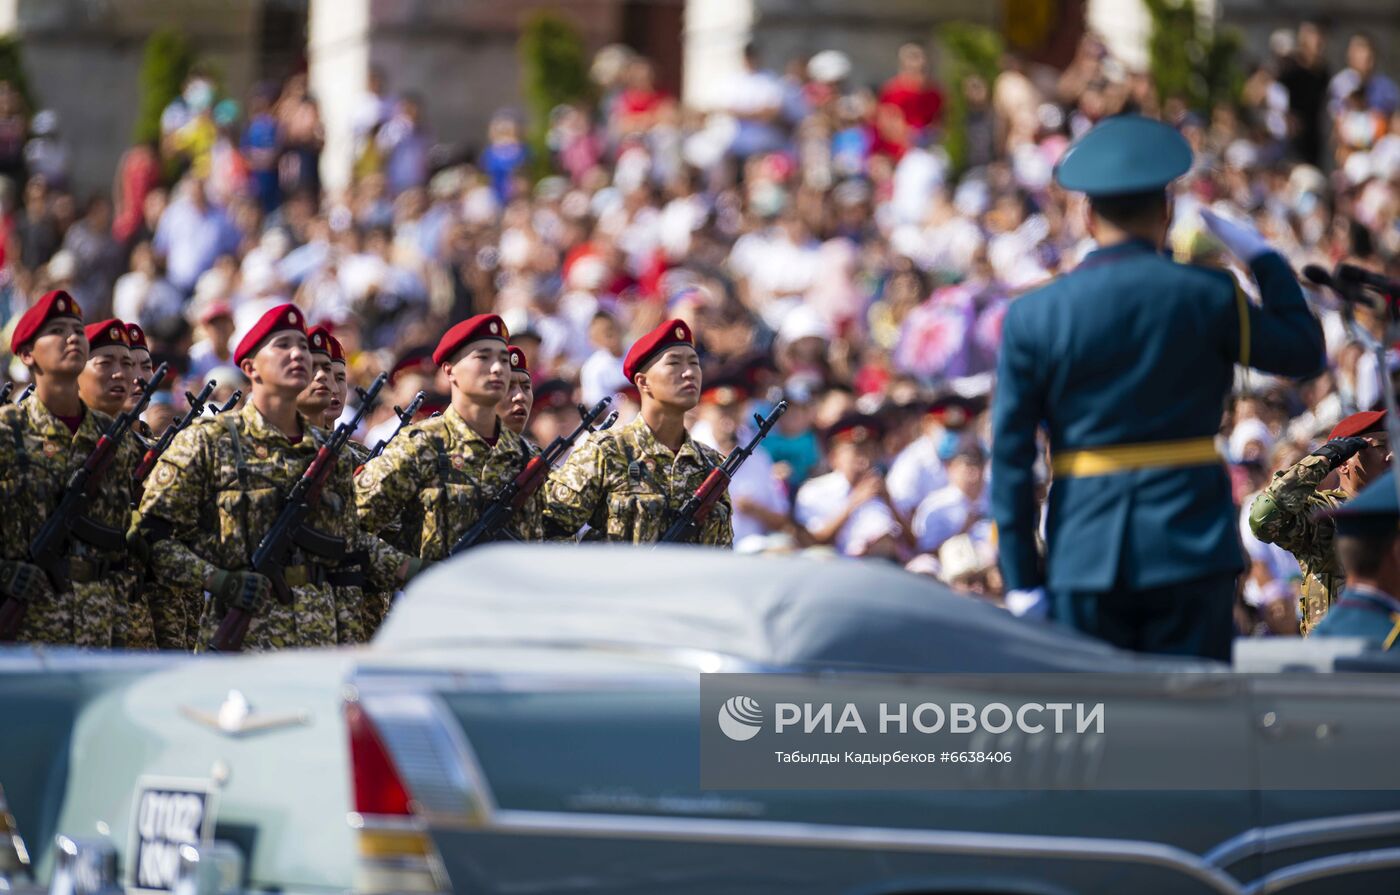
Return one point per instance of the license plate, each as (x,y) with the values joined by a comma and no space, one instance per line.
(166,815)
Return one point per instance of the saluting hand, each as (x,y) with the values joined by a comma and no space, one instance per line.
(1240,237)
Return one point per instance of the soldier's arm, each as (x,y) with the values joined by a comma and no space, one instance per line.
(1282,514)
(386,484)
(574,492)
(1283,335)
(169,515)
(386,563)
(723,534)
(1016,413)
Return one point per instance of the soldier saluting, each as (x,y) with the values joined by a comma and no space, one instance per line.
(1126,362)
(626,484)
(220,487)
(42,443)
(435,478)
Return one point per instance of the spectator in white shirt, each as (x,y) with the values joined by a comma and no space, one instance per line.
(918,470)
(601,375)
(834,507)
(760,500)
(755,98)
(958,506)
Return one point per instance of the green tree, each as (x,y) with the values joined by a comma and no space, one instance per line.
(1190,60)
(968,50)
(554,65)
(12,69)
(167,62)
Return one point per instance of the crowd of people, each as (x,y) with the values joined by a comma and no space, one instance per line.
(813,232)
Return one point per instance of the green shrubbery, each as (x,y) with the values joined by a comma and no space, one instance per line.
(968,50)
(167,62)
(554,70)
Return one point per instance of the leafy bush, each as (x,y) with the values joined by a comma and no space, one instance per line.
(554,65)
(968,50)
(12,69)
(167,62)
(1189,60)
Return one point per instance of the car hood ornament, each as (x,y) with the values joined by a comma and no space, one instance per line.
(235,717)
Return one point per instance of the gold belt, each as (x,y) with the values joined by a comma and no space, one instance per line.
(1112,458)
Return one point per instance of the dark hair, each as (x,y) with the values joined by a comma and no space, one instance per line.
(1130,209)
(1363,554)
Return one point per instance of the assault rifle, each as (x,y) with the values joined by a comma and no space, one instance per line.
(49,548)
(290,529)
(405,417)
(197,403)
(231,402)
(513,496)
(5,392)
(686,526)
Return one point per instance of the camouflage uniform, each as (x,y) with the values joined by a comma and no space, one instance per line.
(435,478)
(38,455)
(627,486)
(213,496)
(362,604)
(1286,514)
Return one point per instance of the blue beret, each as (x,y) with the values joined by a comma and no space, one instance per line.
(1373,512)
(1122,155)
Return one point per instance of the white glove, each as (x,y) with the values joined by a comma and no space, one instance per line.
(1243,241)
(1028,603)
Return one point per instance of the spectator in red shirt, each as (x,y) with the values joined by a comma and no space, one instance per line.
(914,93)
(640,102)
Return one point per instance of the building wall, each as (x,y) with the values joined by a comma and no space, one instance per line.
(460,57)
(83,58)
(869,33)
(1340,19)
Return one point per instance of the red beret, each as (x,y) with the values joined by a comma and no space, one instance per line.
(482,326)
(53,305)
(337,351)
(107,332)
(518,364)
(954,411)
(136,337)
(554,393)
(279,318)
(319,339)
(856,428)
(725,391)
(415,360)
(672,332)
(1361,423)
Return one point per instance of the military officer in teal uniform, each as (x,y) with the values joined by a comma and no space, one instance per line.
(1125,362)
(1368,546)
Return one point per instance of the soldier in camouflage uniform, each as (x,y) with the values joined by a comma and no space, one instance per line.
(514,409)
(436,476)
(222,483)
(42,443)
(322,403)
(108,384)
(626,484)
(1289,512)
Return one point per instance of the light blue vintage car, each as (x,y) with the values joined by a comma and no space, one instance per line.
(528,721)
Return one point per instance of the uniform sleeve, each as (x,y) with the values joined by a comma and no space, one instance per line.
(386,485)
(169,515)
(724,537)
(574,492)
(1283,513)
(1283,336)
(1017,411)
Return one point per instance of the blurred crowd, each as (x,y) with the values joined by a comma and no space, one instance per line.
(814,232)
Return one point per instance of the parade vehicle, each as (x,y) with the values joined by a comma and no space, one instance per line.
(527,721)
